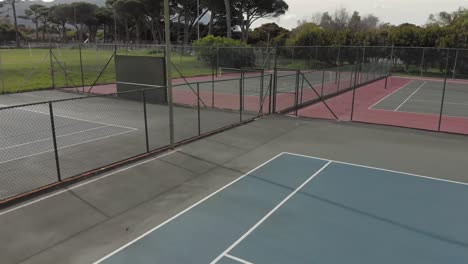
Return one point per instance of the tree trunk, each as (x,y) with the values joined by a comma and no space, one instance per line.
(137,28)
(44,24)
(13,6)
(228,18)
(64,36)
(186,31)
(37,29)
(127,32)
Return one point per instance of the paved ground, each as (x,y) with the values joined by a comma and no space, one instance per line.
(86,222)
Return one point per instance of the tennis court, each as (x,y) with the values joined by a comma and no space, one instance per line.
(425,97)
(299,209)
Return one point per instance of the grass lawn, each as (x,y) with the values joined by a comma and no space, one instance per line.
(27,70)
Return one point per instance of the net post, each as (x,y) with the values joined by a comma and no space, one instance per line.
(81,67)
(54,140)
(52,68)
(198,109)
(145,116)
(443,90)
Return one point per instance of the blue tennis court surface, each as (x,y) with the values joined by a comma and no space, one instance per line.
(298,209)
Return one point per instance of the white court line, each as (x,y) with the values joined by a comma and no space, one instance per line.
(142,84)
(439,102)
(411,95)
(418,113)
(238,259)
(86,183)
(183,212)
(73,118)
(45,139)
(390,94)
(84,142)
(374,168)
(225,252)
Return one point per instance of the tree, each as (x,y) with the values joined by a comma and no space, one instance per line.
(12,4)
(250,11)
(60,15)
(266,33)
(34,13)
(227,5)
(355,22)
(44,19)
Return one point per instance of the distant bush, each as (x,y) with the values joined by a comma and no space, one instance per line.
(7,33)
(225,52)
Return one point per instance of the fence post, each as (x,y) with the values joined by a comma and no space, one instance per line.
(443,90)
(422,61)
(337,64)
(240,98)
(275,80)
(316,57)
(455,65)
(270,97)
(81,68)
(52,68)
(145,115)
(54,139)
(198,109)
(323,83)
(213,71)
(262,95)
(354,91)
(296,93)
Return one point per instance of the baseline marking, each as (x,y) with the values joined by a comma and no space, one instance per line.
(183,212)
(78,119)
(429,101)
(409,97)
(86,183)
(270,213)
(390,94)
(142,84)
(84,142)
(45,139)
(375,168)
(238,259)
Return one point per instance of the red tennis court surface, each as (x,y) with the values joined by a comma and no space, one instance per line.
(371,94)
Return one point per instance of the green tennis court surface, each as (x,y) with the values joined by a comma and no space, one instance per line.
(246,196)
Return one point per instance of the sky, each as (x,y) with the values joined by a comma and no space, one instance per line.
(392,11)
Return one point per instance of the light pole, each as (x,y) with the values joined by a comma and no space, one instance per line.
(198,17)
(115,25)
(167,34)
